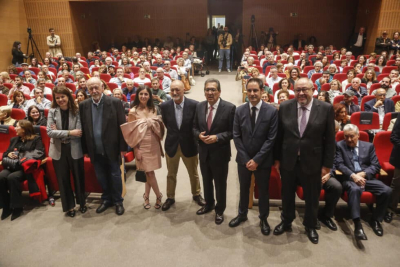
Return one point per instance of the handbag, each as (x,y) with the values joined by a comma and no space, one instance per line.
(140,176)
(185,83)
(11,164)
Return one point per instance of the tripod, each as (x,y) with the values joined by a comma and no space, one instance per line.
(33,45)
(253,41)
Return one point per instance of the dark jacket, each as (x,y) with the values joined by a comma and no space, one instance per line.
(113,118)
(28,146)
(388,105)
(382,45)
(222,126)
(354,38)
(395,139)
(296,43)
(367,158)
(258,144)
(183,136)
(17,56)
(352,108)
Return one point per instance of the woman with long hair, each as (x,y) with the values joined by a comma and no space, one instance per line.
(64,127)
(284,85)
(35,117)
(64,66)
(294,75)
(34,63)
(369,78)
(80,96)
(18,100)
(42,75)
(145,138)
(17,55)
(380,63)
(335,89)
(351,74)
(324,96)
(341,115)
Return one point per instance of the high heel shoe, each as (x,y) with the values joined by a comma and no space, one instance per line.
(158,202)
(146,206)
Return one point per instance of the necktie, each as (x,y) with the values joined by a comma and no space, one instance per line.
(357,167)
(303,122)
(179,116)
(209,118)
(253,117)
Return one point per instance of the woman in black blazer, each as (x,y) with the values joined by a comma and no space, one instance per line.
(18,55)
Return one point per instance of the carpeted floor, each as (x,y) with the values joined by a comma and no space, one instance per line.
(43,236)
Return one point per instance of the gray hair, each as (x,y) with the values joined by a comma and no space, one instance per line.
(117,89)
(351,127)
(41,80)
(318,63)
(213,80)
(80,73)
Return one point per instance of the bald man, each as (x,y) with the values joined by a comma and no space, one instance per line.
(102,141)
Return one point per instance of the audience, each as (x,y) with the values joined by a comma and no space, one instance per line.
(284,85)
(34,115)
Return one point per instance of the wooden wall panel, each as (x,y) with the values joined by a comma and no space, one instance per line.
(331,22)
(13,28)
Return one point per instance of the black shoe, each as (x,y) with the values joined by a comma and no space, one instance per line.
(359,232)
(318,226)
(312,235)
(103,207)
(328,222)
(199,200)
(265,229)
(205,210)
(71,213)
(388,217)
(376,227)
(167,204)
(16,213)
(219,218)
(119,209)
(282,227)
(6,212)
(237,220)
(83,209)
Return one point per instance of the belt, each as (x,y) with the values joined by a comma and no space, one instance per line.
(65,142)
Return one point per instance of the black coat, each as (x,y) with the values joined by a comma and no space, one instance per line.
(29,145)
(183,136)
(18,56)
(113,118)
(222,126)
(395,139)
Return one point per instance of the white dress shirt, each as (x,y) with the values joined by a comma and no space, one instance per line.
(215,107)
(258,106)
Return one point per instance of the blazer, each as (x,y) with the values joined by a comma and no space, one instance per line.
(367,158)
(354,38)
(258,144)
(222,127)
(113,118)
(183,136)
(395,139)
(387,103)
(296,43)
(317,145)
(54,117)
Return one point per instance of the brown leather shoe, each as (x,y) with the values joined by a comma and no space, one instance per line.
(167,204)
(199,200)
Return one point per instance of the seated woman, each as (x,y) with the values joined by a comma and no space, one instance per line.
(34,63)
(64,66)
(180,67)
(5,116)
(242,71)
(324,96)
(107,90)
(35,117)
(12,70)
(294,75)
(335,89)
(80,96)
(265,97)
(381,63)
(42,75)
(332,69)
(336,56)
(127,70)
(288,69)
(25,144)
(255,73)
(290,60)
(369,78)
(372,56)
(303,63)
(284,85)
(282,96)
(145,132)
(6,77)
(18,100)
(358,68)
(325,61)
(350,75)
(341,115)
(96,64)
(28,78)
(362,60)
(142,79)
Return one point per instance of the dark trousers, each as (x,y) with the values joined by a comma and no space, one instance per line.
(262,180)
(311,184)
(376,187)
(109,176)
(357,51)
(216,171)
(395,185)
(333,190)
(10,189)
(63,168)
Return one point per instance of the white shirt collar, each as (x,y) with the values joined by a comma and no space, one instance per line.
(215,106)
(101,98)
(181,104)
(258,106)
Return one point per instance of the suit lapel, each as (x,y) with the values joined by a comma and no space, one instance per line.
(313,114)
(220,110)
(203,110)
(106,107)
(172,112)
(185,112)
(262,109)
(294,111)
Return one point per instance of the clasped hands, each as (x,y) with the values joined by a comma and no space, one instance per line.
(359,178)
(208,139)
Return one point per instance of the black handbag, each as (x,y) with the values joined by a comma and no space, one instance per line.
(140,176)
(11,164)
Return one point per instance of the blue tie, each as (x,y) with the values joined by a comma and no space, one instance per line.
(357,167)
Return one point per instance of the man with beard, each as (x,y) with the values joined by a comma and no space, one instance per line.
(385,84)
(178,116)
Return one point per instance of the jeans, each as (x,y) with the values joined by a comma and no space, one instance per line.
(109,176)
(224,53)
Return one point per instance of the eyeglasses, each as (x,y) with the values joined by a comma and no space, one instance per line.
(304,90)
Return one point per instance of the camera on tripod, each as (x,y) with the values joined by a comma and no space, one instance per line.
(29,30)
(253,18)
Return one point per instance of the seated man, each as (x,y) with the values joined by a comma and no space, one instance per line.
(165,81)
(129,90)
(165,56)
(171,72)
(317,69)
(187,62)
(141,61)
(82,86)
(270,62)
(395,79)
(119,78)
(65,75)
(18,86)
(273,77)
(380,104)
(117,93)
(39,100)
(135,58)
(386,84)
(358,163)
(318,57)
(90,58)
(326,78)
(111,70)
(349,104)
(358,90)
(146,67)
(61,81)
(25,67)
(159,61)
(159,96)
(41,83)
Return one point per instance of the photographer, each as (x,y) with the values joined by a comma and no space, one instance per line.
(54,43)
(18,55)
(225,42)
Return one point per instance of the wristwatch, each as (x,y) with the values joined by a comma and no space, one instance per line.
(217,138)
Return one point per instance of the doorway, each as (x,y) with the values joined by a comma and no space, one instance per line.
(218,21)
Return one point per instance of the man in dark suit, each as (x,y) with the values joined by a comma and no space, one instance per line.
(357,42)
(254,131)
(102,141)
(382,43)
(213,125)
(380,104)
(178,116)
(299,42)
(349,104)
(395,161)
(358,163)
(306,128)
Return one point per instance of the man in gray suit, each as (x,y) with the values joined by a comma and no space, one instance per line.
(254,131)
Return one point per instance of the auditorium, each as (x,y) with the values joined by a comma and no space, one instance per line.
(199,133)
